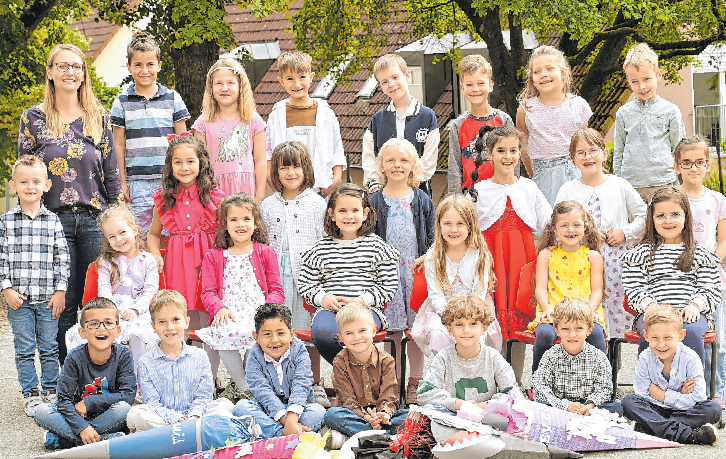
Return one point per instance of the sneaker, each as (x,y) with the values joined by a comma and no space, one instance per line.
(234,394)
(335,439)
(704,435)
(49,396)
(51,441)
(411,388)
(320,396)
(32,401)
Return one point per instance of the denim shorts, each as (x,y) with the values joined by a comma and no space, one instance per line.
(142,202)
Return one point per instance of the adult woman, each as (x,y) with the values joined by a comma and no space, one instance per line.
(71,131)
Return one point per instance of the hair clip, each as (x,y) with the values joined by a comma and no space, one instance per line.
(233,69)
(174,136)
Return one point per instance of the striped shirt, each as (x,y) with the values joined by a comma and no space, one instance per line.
(176,388)
(147,122)
(658,280)
(34,259)
(364,267)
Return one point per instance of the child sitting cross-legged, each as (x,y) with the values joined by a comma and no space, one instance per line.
(280,377)
(467,371)
(670,392)
(574,375)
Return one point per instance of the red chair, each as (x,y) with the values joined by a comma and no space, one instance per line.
(523,303)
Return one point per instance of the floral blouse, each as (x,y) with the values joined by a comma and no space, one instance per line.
(82,172)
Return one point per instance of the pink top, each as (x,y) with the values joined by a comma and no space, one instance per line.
(707,212)
(267,272)
(551,127)
(230,143)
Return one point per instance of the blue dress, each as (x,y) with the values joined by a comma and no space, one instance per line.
(401,233)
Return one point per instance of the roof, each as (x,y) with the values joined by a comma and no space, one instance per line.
(97,31)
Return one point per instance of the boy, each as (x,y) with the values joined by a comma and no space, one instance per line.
(309,121)
(34,265)
(670,392)
(647,129)
(280,377)
(467,371)
(364,377)
(476,85)
(405,117)
(142,116)
(175,379)
(97,384)
(574,375)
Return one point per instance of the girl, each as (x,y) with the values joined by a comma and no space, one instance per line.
(459,264)
(351,263)
(618,212)
(71,131)
(549,114)
(569,264)
(404,219)
(186,207)
(709,228)
(238,276)
(294,217)
(232,130)
(669,266)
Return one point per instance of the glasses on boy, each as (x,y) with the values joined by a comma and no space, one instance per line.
(95,324)
(594,153)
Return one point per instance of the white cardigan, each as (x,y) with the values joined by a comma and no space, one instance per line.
(527,200)
(621,206)
(467,274)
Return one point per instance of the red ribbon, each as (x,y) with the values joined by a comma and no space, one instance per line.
(174,136)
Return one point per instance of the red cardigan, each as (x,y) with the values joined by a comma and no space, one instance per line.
(267,271)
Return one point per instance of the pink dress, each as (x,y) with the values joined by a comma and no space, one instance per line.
(230,144)
(191,233)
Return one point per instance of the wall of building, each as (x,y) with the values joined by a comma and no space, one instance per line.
(110,64)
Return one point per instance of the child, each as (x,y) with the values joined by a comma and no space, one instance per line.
(405,117)
(568,264)
(669,266)
(350,263)
(466,372)
(34,279)
(364,377)
(280,378)
(549,114)
(404,219)
(294,218)
(647,129)
(476,85)
(619,215)
(142,116)
(175,379)
(232,131)
(670,392)
(97,384)
(459,264)
(238,276)
(511,208)
(709,229)
(574,375)
(306,120)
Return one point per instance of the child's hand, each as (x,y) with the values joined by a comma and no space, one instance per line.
(656,392)
(372,419)
(482,404)
(222,317)
(89,435)
(345,301)
(126,195)
(129,314)
(384,418)
(332,303)
(418,264)
(14,299)
(545,315)
(160,261)
(688,386)
(585,411)
(603,236)
(575,407)
(690,313)
(293,428)
(57,303)
(81,408)
(615,237)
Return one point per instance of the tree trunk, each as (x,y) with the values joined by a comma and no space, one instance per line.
(602,68)
(190,73)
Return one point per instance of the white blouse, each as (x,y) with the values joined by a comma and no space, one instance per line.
(527,200)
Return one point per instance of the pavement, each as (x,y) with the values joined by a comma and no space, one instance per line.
(21,438)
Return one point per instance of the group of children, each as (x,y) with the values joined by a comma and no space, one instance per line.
(245,272)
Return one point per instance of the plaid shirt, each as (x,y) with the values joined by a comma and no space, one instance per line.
(562,378)
(34,259)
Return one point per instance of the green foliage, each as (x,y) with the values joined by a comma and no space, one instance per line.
(711,181)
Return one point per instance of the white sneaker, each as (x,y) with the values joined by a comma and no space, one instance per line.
(320,396)
(50,397)
(32,401)
(335,440)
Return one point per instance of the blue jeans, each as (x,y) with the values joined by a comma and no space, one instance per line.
(324,332)
(34,327)
(721,354)
(84,245)
(693,339)
(348,423)
(312,417)
(111,420)
(545,338)
(550,175)
(674,425)
(142,202)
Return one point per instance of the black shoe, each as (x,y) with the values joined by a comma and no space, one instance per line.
(638,428)
(704,435)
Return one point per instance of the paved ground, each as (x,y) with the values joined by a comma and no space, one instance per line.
(20,438)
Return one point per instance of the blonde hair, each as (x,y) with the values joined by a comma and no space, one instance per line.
(245,101)
(474,62)
(294,61)
(388,60)
(353,312)
(641,55)
(530,90)
(409,151)
(167,298)
(29,161)
(107,259)
(467,307)
(573,309)
(662,314)
(92,111)
(474,240)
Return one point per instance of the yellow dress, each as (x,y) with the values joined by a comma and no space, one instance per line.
(569,275)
